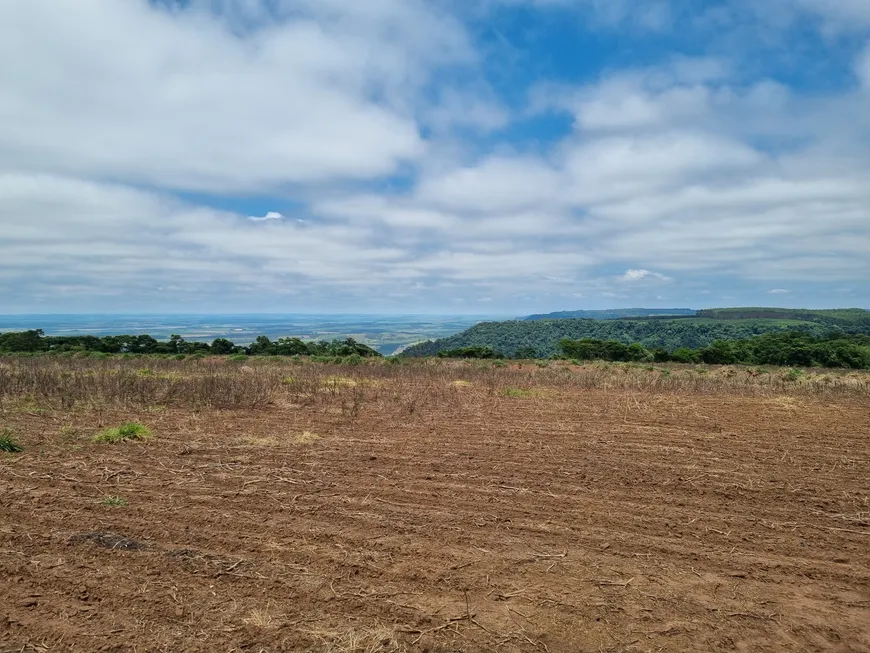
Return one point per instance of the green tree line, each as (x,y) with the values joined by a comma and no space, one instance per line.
(540,338)
(35,341)
(787,349)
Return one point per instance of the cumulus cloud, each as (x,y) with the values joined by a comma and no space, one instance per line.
(180,99)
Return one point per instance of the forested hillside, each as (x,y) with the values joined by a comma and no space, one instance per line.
(540,338)
(833,316)
(615,313)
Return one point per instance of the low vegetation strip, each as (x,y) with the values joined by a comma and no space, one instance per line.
(40,384)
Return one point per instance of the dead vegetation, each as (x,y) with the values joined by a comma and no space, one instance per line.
(61,383)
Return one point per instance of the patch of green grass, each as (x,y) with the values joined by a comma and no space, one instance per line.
(8,443)
(115,502)
(517,392)
(123,433)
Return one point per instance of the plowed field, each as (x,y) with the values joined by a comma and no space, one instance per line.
(557,518)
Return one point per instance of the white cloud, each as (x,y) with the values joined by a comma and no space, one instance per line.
(639,275)
(778,291)
(496,184)
(125,91)
(271,215)
(841,14)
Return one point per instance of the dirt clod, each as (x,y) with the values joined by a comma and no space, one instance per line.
(109,541)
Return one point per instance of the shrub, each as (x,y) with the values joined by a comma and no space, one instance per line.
(793,375)
(124,433)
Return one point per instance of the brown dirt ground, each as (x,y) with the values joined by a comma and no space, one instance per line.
(570,521)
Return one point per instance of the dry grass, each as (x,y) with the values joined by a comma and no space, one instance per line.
(306,437)
(380,640)
(41,384)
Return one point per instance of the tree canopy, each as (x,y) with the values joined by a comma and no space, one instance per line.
(35,341)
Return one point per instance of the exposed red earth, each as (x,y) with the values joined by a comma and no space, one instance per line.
(376,517)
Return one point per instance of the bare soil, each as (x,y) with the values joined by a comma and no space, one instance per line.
(561,520)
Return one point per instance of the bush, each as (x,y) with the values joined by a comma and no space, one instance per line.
(685,355)
(124,433)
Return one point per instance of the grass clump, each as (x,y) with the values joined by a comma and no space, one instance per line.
(306,437)
(124,433)
(8,443)
(115,502)
(517,392)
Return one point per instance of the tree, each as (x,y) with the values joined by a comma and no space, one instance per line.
(22,341)
(685,355)
(176,344)
(525,353)
(719,353)
(222,347)
(262,346)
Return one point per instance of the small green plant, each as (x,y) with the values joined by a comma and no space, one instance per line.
(146,371)
(123,433)
(542,364)
(8,443)
(794,375)
(517,392)
(238,357)
(499,364)
(115,502)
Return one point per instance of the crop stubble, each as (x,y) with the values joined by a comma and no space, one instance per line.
(438,516)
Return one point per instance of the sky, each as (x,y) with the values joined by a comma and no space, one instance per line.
(440,156)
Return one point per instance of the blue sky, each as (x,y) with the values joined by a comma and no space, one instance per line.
(486,156)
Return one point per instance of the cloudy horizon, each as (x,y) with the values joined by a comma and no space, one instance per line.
(405,156)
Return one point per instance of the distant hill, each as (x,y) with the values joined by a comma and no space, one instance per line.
(613,314)
(831,315)
(540,338)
